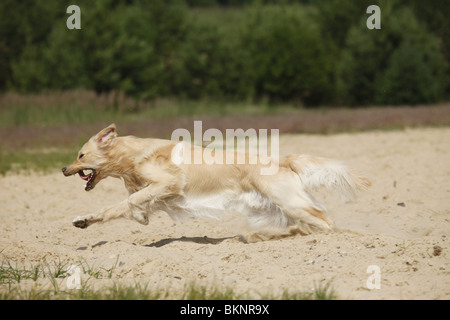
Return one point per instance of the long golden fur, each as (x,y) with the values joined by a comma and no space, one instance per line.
(155,182)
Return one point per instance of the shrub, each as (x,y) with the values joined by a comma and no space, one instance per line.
(288,60)
(210,63)
(23,25)
(413,74)
(388,65)
(313,52)
(121,47)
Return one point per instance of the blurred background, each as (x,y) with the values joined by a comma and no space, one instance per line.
(152,66)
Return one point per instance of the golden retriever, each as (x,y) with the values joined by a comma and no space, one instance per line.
(156,182)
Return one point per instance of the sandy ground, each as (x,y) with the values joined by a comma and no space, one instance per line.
(401,225)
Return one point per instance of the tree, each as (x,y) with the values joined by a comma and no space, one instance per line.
(373,70)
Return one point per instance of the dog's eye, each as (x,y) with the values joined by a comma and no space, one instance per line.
(81,156)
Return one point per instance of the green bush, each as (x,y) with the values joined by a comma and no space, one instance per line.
(288,60)
(210,63)
(413,74)
(336,17)
(126,47)
(302,51)
(389,65)
(23,26)
(199,63)
(270,52)
(436,19)
(58,65)
(119,48)
(28,72)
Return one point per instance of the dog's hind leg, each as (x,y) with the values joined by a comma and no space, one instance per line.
(309,217)
(305,214)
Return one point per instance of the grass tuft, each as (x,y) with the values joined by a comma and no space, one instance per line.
(19,282)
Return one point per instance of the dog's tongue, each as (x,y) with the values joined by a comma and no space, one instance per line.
(83,176)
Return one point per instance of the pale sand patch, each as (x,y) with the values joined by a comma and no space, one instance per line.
(395,225)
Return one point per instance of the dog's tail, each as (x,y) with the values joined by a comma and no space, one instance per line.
(318,172)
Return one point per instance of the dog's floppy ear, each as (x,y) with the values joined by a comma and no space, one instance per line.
(104,137)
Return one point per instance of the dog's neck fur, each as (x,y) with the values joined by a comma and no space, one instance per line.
(122,167)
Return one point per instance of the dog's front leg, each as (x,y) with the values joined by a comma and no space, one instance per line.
(147,200)
(137,207)
(118,210)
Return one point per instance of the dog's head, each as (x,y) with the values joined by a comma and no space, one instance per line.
(92,158)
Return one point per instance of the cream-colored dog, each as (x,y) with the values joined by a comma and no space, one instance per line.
(156,182)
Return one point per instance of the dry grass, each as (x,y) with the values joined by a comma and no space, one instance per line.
(69,118)
(303,121)
(48,281)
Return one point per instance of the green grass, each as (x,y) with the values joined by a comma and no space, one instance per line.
(319,292)
(13,273)
(47,283)
(83,107)
(118,291)
(39,160)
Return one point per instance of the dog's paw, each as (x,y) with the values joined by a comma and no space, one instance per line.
(80,222)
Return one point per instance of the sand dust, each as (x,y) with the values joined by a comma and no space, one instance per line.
(401,225)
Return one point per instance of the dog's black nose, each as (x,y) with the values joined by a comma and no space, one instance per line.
(64,169)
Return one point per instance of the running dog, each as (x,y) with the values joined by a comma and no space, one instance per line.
(156,182)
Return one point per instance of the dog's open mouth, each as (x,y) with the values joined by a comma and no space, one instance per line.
(89,176)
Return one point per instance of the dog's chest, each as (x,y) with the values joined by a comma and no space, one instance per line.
(133,184)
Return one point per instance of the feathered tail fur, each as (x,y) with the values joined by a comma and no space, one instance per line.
(316,172)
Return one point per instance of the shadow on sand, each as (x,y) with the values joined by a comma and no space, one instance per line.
(200,240)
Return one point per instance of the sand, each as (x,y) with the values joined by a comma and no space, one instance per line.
(401,225)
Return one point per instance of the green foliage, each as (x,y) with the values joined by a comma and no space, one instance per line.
(436,19)
(12,275)
(413,74)
(336,17)
(287,60)
(312,52)
(210,64)
(21,26)
(399,64)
